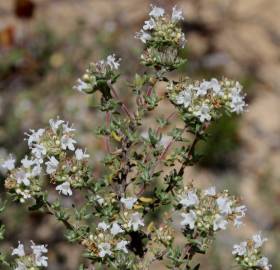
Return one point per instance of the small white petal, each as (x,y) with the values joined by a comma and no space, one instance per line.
(65,189)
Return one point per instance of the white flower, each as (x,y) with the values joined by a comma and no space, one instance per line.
(122,246)
(143,36)
(55,124)
(240,249)
(156,11)
(36,170)
(52,165)
(67,142)
(80,155)
(215,85)
(113,62)
(184,98)
(103,226)
(237,101)
(224,205)
(24,193)
(67,128)
(258,240)
(237,222)
(22,178)
(238,105)
(19,251)
(177,14)
(240,210)
(9,163)
(21,266)
(189,219)
(65,189)
(210,191)
(104,249)
(116,229)
(82,86)
(150,24)
(39,151)
(41,261)
(34,136)
(189,199)
(203,113)
(182,40)
(135,221)
(129,202)
(235,91)
(27,163)
(219,223)
(202,89)
(38,251)
(264,263)
(99,199)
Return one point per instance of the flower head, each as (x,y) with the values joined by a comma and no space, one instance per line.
(156,11)
(9,163)
(177,14)
(113,62)
(67,142)
(184,98)
(122,246)
(19,251)
(80,154)
(52,165)
(189,199)
(240,249)
(65,189)
(135,221)
(189,219)
(104,249)
(258,240)
(203,113)
(116,229)
(129,202)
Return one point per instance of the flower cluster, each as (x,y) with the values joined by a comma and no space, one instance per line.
(206,211)
(35,260)
(162,37)
(110,237)
(53,153)
(248,254)
(207,100)
(97,75)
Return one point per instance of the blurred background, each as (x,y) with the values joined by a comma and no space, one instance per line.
(46,44)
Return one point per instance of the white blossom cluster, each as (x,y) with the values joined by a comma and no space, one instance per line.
(37,259)
(102,70)
(207,100)
(49,155)
(160,28)
(109,238)
(248,253)
(209,211)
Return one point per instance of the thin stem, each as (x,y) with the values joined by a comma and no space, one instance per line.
(64,221)
(190,154)
(107,140)
(116,96)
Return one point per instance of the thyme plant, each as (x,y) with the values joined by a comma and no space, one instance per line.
(144,168)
